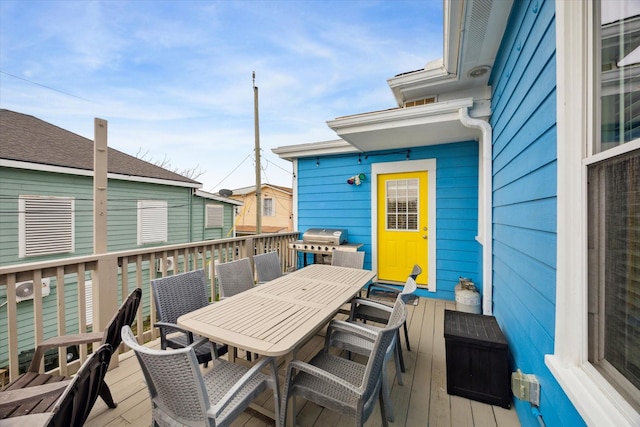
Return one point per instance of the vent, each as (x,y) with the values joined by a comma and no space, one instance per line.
(152,221)
(25,290)
(215,216)
(419,102)
(45,225)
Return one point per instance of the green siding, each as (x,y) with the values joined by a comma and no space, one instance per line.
(185,222)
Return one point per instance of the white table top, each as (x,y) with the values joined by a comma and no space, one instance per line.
(275,318)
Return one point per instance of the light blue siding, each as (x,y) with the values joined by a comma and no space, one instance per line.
(326,200)
(524,201)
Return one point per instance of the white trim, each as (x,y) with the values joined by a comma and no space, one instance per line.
(207,195)
(428,165)
(294,200)
(84,172)
(596,401)
(314,149)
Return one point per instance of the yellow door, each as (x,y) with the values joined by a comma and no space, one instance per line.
(402,225)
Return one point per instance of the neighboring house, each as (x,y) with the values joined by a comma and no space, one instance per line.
(515,161)
(277,205)
(46,203)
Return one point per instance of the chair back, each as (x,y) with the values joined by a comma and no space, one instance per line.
(347,259)
(174,380)
(409,289)
(234,277)
(386,336)
(125,315)
(415,272)
(267,266)
(77,400)
(179,294)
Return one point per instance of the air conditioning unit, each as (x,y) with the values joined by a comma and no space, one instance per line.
(169,264)
(25,290)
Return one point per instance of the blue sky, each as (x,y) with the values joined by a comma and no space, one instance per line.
(174,78)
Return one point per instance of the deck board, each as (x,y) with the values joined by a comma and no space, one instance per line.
(421,401)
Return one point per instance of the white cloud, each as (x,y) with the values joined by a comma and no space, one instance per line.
(173,78)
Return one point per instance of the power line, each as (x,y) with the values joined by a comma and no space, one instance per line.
(44,86)
(229,174)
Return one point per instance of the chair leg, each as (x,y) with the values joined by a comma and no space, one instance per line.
(105,394)
(399,353)
(383,416)
(406,336)
(386,395)
(398,368)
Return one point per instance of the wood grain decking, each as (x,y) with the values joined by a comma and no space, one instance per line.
(421,401)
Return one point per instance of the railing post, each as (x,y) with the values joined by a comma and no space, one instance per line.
(105,293)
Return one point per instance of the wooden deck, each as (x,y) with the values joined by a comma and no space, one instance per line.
(421,401)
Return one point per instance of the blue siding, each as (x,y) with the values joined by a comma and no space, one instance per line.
(326,200)
(524,201)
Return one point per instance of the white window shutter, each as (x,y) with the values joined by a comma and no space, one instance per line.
(152,221)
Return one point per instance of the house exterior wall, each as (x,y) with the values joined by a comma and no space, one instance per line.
(198,217)
(283,205)
(326,200)
(185,224)
(525,202)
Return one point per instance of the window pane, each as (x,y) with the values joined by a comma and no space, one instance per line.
(620,79)
(402,204)
(614,198)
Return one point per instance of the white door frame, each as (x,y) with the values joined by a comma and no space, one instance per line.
(428,165)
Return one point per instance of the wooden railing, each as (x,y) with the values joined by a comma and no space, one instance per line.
(84,292)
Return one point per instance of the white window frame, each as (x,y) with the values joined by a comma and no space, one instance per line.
(214,216)
(593,396)
(273,206)
(153,223)
(66,241)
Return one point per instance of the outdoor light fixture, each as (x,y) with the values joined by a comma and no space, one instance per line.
(478,71)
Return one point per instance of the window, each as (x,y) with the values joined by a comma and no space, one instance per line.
(45,225)
(402,204)
(152,221)
(614,208)
(268,208)
(596,325)
(214,216)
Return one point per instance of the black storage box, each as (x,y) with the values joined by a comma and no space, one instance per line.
(477,358)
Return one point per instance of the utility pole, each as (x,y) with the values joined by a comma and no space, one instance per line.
(258,168)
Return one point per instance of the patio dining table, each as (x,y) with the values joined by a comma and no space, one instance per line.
(278,317)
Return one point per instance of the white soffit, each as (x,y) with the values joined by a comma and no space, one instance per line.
(430,124)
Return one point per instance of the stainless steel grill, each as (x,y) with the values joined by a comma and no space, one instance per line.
(323,241)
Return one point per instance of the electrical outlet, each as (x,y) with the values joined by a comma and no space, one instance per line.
(525,387)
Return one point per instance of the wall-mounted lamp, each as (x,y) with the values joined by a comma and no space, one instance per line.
(356,179)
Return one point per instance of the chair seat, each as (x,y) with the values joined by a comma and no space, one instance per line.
(225,375)
(326,394)
(371,314)
(39,403)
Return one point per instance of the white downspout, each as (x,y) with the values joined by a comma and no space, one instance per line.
(485,236)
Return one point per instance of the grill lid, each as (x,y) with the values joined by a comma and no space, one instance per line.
(333,236)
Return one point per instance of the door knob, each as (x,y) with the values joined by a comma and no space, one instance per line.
(424,236)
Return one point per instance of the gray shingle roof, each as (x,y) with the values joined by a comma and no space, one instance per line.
(26,138)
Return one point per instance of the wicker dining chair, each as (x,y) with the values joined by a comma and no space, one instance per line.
(347,259)
(339,336)
(125,315)
(234,277)
(267,266)
(182,395)
(73,406)
(177,295)
(373,314)
(344,385)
